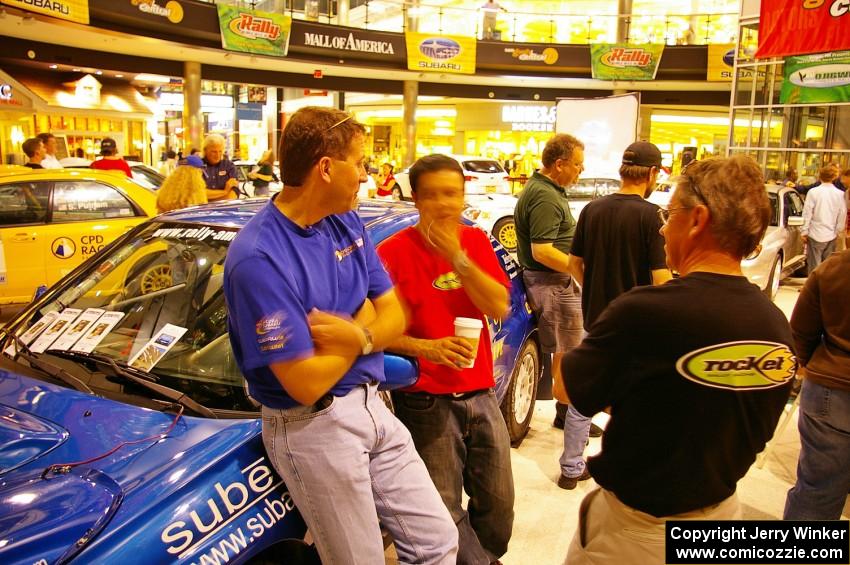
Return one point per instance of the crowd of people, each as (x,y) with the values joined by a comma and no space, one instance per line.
(627,338)
(661,354)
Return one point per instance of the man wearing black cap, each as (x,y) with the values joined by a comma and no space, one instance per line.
(111,161)
(617,246)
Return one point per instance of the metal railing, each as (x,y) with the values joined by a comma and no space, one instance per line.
(523,27)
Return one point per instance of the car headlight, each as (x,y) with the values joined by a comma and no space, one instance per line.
(471,213)
(754,254)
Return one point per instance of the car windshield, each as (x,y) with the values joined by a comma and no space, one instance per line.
(157,301)
(582,189)
(483,166)
(147,178)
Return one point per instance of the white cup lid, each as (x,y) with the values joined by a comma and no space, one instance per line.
(472,323)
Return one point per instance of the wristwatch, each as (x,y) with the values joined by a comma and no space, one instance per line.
(368,344)
(461,263)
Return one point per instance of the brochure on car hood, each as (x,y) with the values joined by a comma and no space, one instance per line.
(55,329)
(31,333)
(154,350)
(98,330)
(76,330)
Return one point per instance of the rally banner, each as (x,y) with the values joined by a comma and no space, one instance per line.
(616,61)
(251,31)
(71,10)
(721,62)
(440,53)
(812,79)
(799,27)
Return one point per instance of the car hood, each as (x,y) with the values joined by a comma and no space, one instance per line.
(52,514)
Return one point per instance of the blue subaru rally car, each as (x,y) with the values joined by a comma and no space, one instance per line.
(126,431)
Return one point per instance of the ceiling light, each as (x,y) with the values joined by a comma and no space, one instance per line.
(76,70)
(119,76)
(144,77)
(98,72)
(54,66)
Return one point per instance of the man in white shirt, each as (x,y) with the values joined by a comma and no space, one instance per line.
(50,161)
(824,216)
(491,9)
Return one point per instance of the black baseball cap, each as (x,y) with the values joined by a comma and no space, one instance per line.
(107,145)
(642,153)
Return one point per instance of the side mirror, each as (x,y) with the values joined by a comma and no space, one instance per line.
(795,221)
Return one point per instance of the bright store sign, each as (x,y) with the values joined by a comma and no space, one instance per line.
(348,43)
(72,10)
(172,10)
(529,118)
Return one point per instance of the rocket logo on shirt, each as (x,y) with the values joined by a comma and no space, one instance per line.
(448,281)
(740,365)
(271,333)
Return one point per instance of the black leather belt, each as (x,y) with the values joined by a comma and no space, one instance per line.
(450,395)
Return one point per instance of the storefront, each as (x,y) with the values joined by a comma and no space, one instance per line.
(80,112)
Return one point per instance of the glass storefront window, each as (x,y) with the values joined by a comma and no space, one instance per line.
(758,137)
(775,128)
(741,120)
(749,43)
(778,79)
(764,77)
(744,86)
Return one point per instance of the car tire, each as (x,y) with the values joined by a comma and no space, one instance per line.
(518,403)
(504,231)
(772,287)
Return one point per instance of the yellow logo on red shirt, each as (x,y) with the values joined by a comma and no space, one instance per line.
(448,281)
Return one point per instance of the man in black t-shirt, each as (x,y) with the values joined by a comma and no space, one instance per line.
(616,246)
(703,361)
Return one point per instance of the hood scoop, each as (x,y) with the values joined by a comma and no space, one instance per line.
(24,438)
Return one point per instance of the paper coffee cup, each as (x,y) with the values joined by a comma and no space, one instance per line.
(470,330)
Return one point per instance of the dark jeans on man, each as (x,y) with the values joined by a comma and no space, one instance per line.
(465,446)
(817,252)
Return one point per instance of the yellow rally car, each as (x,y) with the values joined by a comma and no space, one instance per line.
(51,220)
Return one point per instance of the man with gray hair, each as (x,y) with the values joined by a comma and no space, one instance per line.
(824,216)
(545,228)
(219,172)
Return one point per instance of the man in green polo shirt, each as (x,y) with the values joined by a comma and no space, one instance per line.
(545,228)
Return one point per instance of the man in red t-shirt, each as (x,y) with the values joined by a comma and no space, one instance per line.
(111,161)
(443,270)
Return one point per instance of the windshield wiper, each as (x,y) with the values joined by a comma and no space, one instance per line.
(58,373)
(145,380)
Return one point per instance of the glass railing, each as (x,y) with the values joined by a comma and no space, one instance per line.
(444,17)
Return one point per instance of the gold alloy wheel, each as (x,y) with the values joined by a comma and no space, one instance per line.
(507,236)
(155,278)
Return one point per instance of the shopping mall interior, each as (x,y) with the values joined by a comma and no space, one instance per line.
(158,76)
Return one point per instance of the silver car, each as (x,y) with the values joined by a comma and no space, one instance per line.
(781,252)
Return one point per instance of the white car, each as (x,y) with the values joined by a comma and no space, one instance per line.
(482,176)
(494,213)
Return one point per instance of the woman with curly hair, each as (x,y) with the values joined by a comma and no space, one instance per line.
(184,187)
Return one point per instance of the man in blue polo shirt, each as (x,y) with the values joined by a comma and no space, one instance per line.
(310,306)
(219,173)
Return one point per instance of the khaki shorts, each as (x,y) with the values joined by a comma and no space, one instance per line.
(555,299)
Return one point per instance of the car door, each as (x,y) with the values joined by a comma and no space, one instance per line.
(792,206)
(86,215)
(23,214)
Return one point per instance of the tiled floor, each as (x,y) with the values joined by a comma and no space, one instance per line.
(546,515)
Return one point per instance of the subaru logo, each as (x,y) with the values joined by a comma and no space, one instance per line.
(729,57)
(439,48)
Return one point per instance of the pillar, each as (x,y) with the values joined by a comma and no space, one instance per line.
(193,120)
(342,8)
(411,94)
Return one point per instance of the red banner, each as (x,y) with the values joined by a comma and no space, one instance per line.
(798,27)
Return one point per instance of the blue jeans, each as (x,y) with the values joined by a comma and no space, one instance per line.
(576,432)
(465,445)
(817,252)
(348,463)
(823,471)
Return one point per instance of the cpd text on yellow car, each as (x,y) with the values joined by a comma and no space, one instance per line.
(51,220)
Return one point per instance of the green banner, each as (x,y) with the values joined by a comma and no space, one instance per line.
(816,78)
(610,61)
(250,31)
